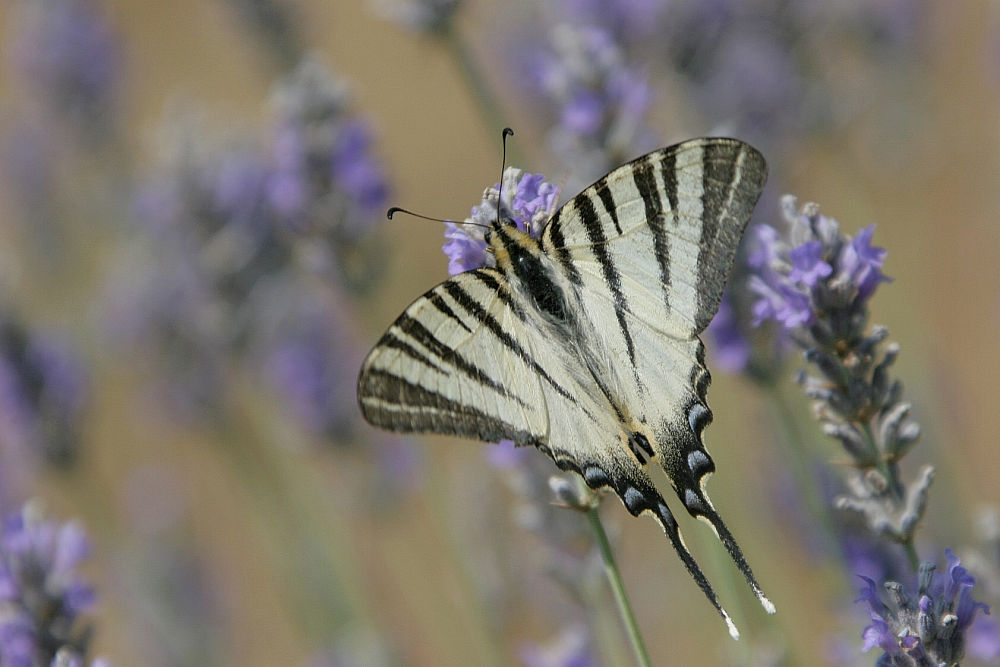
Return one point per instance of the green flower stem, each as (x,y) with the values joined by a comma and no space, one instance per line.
(618,588)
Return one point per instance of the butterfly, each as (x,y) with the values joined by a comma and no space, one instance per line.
(584,342)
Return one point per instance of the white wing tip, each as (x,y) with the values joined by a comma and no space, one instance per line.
(733,632)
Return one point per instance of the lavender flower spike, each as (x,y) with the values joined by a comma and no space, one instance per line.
(817,284)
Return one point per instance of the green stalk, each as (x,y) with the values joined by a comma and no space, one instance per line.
(618,588)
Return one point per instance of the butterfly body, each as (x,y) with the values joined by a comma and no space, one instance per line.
(584,342)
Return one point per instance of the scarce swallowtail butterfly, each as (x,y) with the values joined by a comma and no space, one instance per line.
(584,342)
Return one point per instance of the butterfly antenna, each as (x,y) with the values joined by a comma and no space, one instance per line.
(396,209)
(507,132)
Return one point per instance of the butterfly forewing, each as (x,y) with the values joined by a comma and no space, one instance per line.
(667,225)
(585,344)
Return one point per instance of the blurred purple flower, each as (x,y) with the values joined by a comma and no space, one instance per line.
(751,67)
(354,166)
(570,648)
(228,234)
(28,168)
(752,88)
(598,102)
(41,593)
(505,455)
(183,292)
(42,394)
(730,347)
(305,361)
(69,54)
(931,627)
(325,183)
(322,158)
(528,200)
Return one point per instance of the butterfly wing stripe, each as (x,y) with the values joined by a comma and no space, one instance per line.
(423,336)
(608,199)
(385,395)
(477,311)
(438,302)
(558,247)
(645,183)
(588,215)
(502,291)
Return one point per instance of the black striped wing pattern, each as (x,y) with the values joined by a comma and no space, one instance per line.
(585,343)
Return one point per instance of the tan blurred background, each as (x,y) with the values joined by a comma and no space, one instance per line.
(930,183)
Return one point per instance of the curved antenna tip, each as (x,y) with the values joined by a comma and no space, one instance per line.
(507,132)
(392,211)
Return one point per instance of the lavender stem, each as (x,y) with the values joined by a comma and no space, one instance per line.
(618,588)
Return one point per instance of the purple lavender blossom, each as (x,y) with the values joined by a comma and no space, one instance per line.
(68,52)
(598,103)
(818,272)
(41,593)
(28,171)
(528,200)
(930,629)
(230,233)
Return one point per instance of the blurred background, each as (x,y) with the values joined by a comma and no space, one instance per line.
(195,258)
